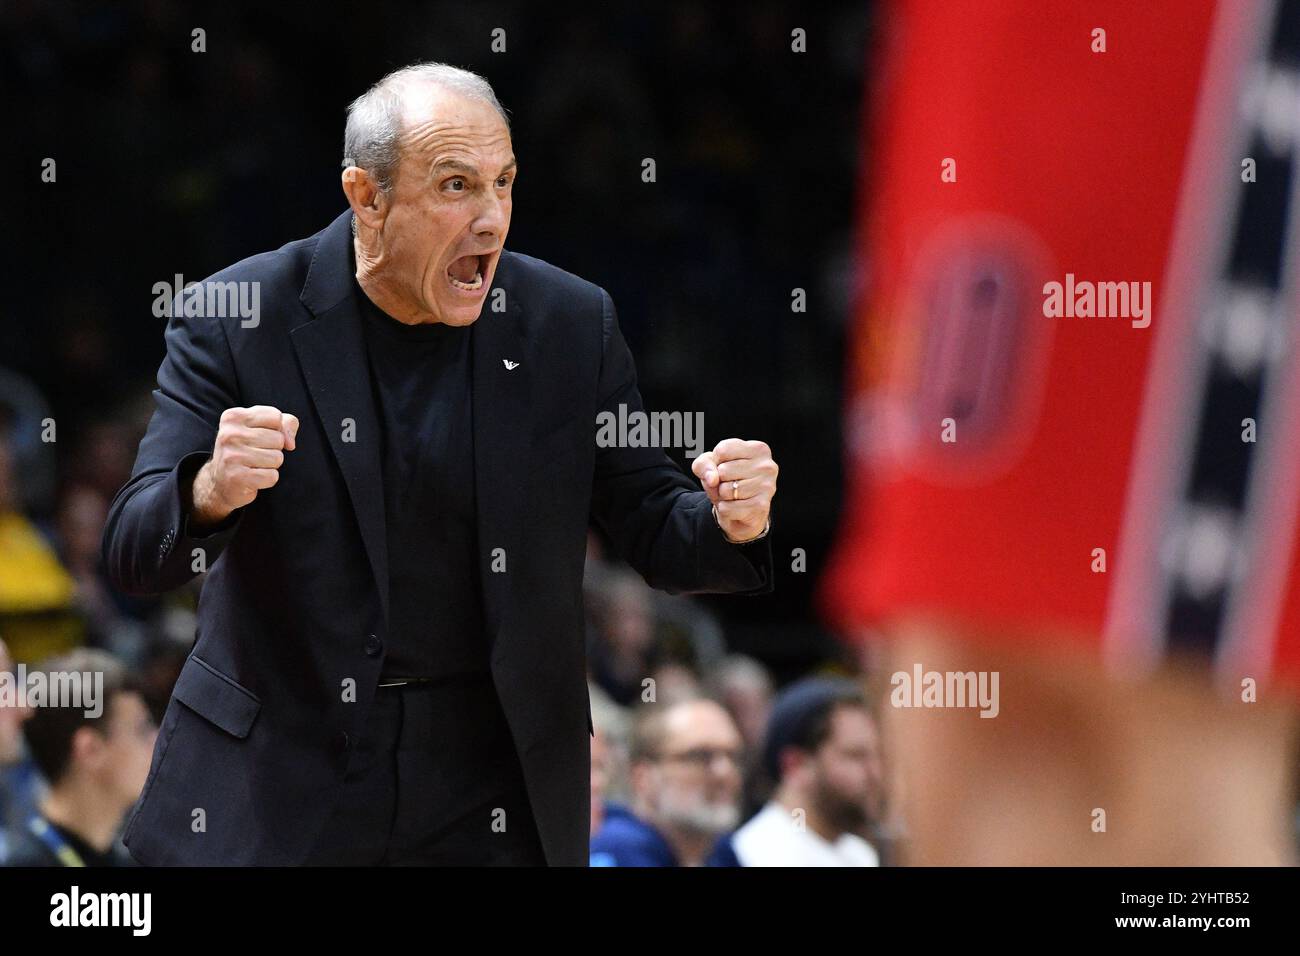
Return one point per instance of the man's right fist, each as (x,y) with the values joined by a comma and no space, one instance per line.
(249,450)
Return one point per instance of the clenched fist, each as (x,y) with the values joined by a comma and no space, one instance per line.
(740,479)
(246,458)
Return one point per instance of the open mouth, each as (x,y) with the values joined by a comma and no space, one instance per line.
(467,272)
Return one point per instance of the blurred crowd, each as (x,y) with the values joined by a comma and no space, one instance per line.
(698,759)
(59,614)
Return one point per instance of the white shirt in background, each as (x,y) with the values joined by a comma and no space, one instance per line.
(771,838)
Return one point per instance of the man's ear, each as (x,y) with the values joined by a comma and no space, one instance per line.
(87,748)
(369,203)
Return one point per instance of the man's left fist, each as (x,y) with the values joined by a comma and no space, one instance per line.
(740,479)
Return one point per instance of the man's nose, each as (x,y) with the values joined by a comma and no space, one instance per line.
(493,218)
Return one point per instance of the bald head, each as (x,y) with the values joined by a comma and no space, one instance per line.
(682,727)
(377,118)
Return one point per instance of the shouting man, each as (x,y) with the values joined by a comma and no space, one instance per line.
(390,487)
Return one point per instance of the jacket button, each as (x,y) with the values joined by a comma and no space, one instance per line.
(373,645)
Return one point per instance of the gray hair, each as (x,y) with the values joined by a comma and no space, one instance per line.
(375,117)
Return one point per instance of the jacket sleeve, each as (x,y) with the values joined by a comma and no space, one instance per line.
(657,518)
(148,546)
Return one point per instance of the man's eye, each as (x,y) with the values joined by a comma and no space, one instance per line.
(457,185)
(503,182)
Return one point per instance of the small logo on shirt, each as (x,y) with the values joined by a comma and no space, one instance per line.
(509,364)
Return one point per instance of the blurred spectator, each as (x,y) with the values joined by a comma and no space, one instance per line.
(744,687)
(685,774)
(36,614)
(20,783)
(637,633)
(81,514)
(823,746)
(95,766)
(622,650)
(105,454)
(675,682)
(613,724)
(80,524)
(599,779)
(26,413)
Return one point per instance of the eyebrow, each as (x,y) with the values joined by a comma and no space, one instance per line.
(455,165)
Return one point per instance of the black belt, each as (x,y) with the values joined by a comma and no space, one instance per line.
(403,681)
(473,677)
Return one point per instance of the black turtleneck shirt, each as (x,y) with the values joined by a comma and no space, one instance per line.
(421,377)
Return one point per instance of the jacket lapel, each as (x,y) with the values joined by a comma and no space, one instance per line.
(332,352)
(502,436)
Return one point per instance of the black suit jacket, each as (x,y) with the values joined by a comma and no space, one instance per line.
(254,743)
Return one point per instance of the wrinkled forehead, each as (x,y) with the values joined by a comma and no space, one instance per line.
(437,122)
